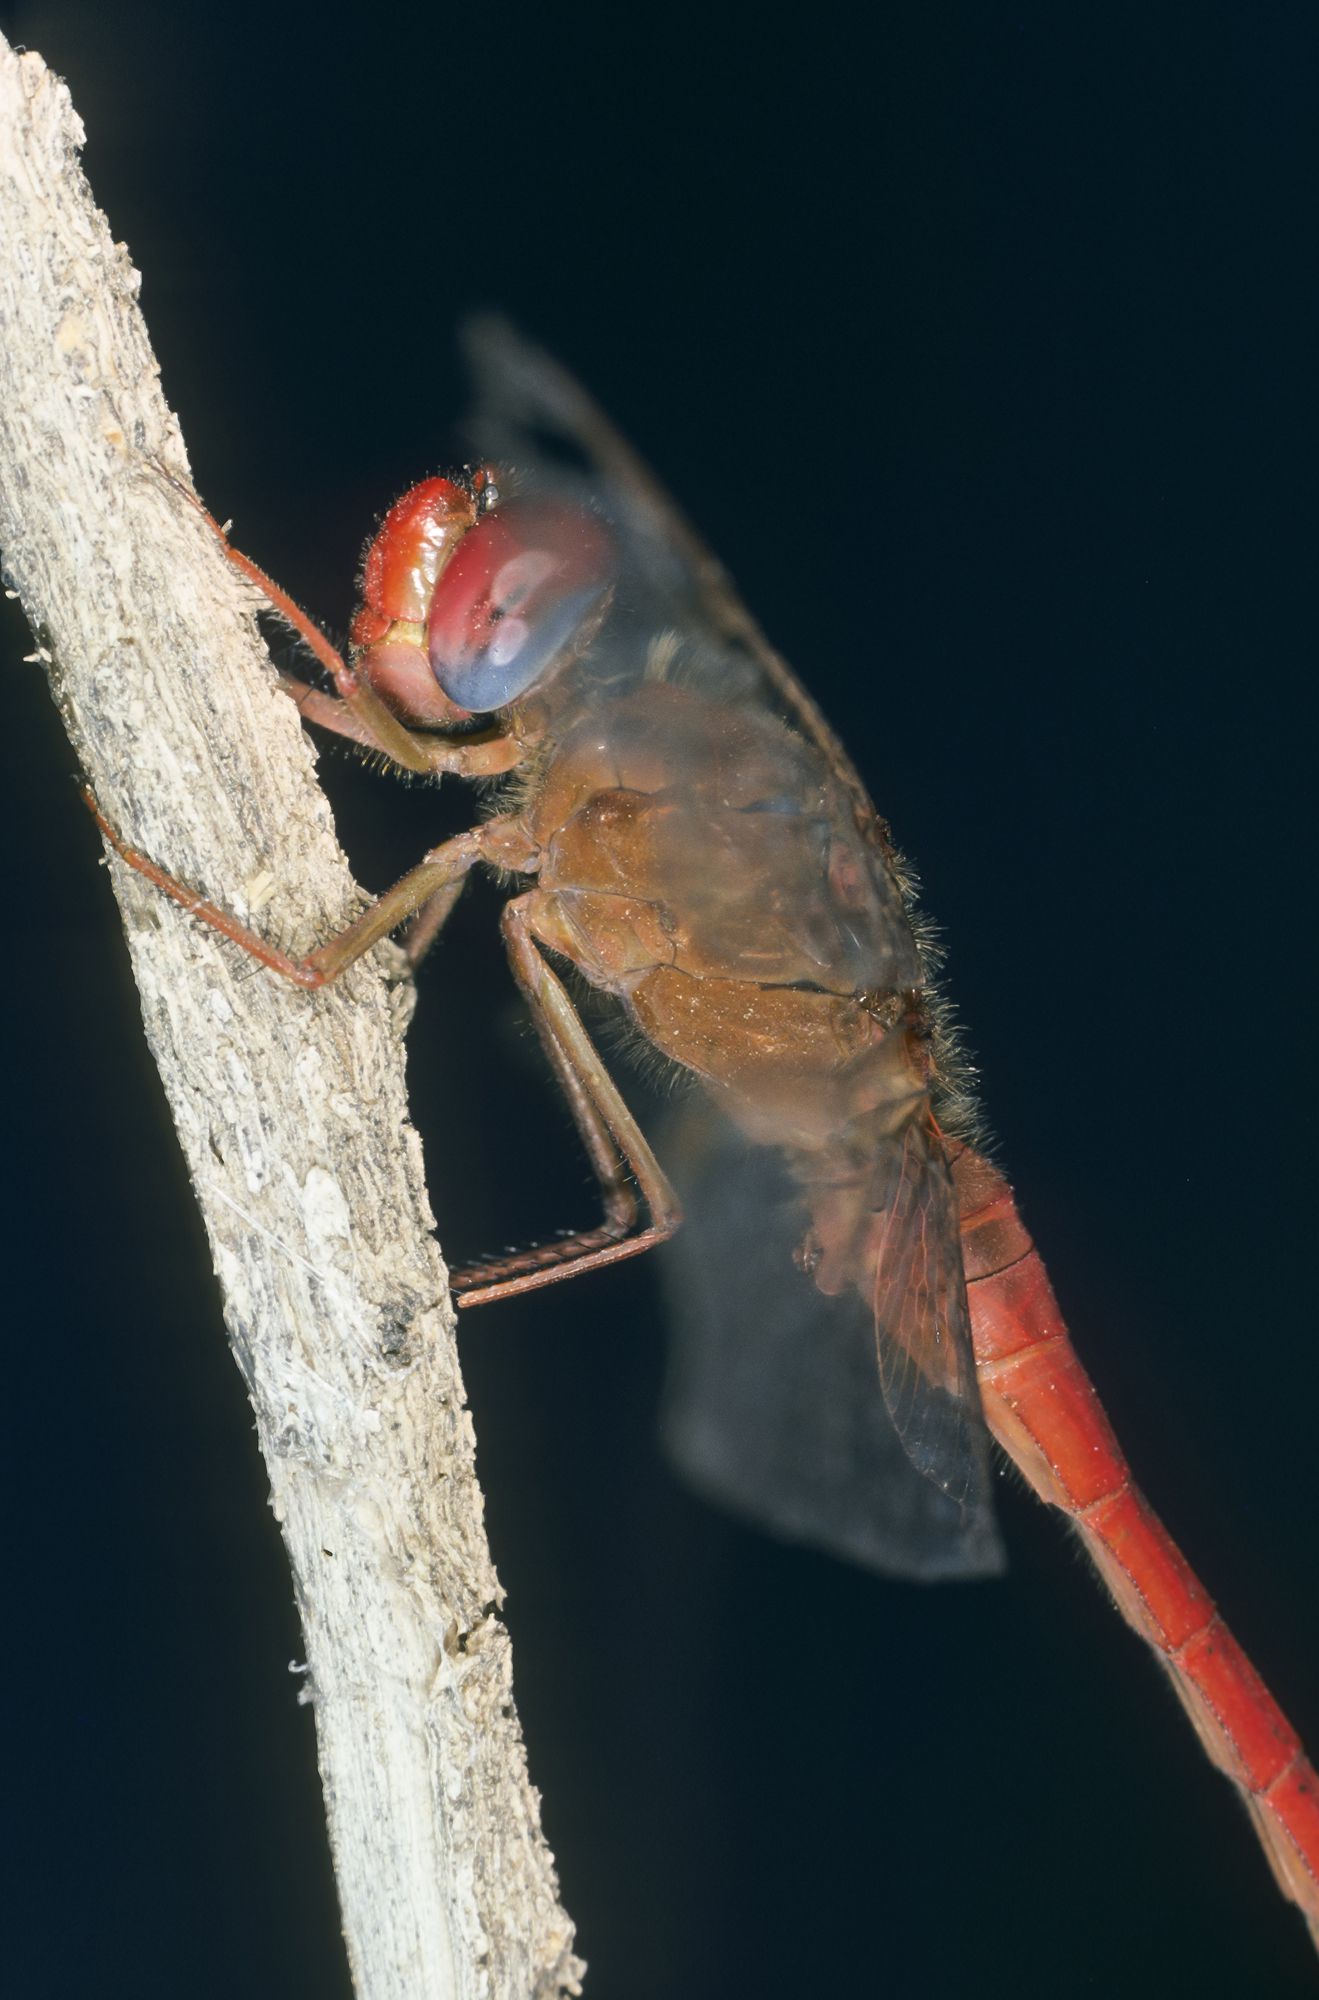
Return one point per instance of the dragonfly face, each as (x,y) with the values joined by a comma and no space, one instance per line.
(469,605)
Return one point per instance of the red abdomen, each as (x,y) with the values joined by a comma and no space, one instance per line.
(1042,1408)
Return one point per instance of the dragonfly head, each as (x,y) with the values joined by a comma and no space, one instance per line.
(470,604)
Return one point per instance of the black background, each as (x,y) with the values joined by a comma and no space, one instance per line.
(981,342)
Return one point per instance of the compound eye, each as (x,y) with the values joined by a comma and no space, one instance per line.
(517,590)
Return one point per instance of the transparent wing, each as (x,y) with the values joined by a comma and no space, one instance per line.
(921,1318)
(773,1407)
(531,413)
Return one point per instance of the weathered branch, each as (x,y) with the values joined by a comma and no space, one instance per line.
(290,1110)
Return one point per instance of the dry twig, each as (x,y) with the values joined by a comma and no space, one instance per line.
(290,1111)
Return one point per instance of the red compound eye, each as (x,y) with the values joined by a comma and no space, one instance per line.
(514,594)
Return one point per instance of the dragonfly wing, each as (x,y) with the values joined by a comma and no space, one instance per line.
(921,1317)
(531,413)
(773,1407)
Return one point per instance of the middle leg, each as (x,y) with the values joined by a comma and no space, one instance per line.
(618,1149)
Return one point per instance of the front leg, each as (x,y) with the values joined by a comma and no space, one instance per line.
(435,881)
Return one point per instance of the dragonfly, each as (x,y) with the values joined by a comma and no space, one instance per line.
(689,837)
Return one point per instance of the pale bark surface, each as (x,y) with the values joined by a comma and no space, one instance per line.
(290,1110)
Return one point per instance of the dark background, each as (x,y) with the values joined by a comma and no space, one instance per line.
(981,342)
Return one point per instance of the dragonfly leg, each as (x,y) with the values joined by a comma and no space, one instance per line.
(439,874)
(429,921)
(615,1142)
